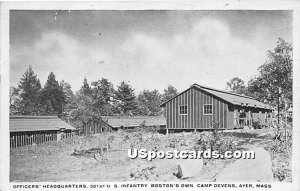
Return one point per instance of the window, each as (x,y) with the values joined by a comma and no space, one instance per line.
(207,109)
(183,110)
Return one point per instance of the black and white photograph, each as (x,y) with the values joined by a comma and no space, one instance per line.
(178,97)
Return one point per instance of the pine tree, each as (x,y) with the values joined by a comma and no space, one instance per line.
(53,97)
(69,100)
(29,89)
(85,89)
(127,101)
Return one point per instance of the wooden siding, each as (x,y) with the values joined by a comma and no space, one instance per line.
(94,127)
(230,117)
(195,99)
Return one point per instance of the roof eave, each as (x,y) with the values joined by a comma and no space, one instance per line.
(251,106)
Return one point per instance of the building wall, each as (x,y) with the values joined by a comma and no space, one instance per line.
(232,118)
(195,119)
(94,127)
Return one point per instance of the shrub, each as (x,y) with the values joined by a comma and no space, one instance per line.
(144,174)
(214,140)
(256,125)
(280,174)
(282,140)
(281,152)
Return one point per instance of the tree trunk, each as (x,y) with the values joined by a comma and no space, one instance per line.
(278,110)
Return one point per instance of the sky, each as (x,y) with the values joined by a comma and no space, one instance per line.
(148,49)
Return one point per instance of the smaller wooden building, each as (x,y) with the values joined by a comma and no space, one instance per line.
(199,107)
(28,130)
(129,122)
(94,125)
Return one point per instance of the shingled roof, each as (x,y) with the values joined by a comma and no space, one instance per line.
(37,123)
(235,99)
(128,121)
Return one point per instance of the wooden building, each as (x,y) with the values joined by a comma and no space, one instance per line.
(199,107)
(94,125)
(28,130)
(129,122)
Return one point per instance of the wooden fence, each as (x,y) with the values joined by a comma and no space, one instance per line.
(19,139)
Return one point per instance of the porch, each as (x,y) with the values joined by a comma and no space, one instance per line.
(252,119)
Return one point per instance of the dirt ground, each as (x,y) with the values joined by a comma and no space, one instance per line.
(67,160)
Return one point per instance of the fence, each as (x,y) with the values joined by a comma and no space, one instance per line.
(19,139)
(23,139)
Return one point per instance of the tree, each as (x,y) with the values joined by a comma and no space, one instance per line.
(149,102)
(85,89)
(69,100)
(170,92)
(66,88)
(236,85)
(126,99)
(29,89)
(14,101)
(81,110)
(82,105)
(102,96)
(275,80)
(53,97)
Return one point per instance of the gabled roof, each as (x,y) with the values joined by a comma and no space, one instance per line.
(37,123)
(128,121)
(235,99)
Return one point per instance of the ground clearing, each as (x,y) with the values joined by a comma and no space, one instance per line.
(55,162)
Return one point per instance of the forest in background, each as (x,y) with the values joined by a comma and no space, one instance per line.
(273,86)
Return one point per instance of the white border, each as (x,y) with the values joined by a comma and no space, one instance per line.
(146,5)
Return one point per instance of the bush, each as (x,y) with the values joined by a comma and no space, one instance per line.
(214,140)
(144,174)
(281,152)
(256,125)
(280,174)
(282,140)
(147,129)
